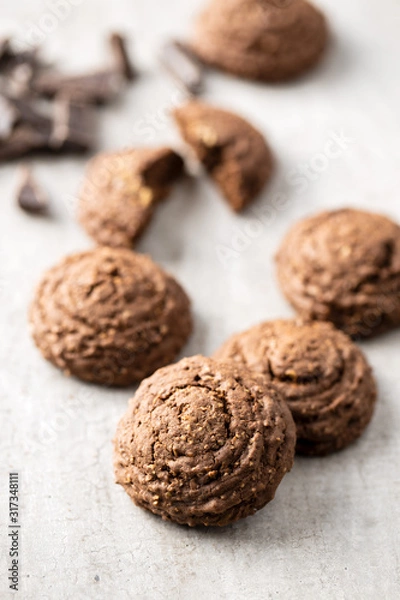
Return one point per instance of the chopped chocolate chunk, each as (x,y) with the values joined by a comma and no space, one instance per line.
(19,79)
(183,66)
(123,63)
(43,109)
(8,118)
(23,139)
(29,114)
(31,198)
(11,58)
(4,49)
(98,88)
(74,125)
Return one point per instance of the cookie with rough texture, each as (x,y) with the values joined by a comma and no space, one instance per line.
(321,373)
(121,190)
(233,152)
(204,443)
(344,266)
(109,316)
(267,40)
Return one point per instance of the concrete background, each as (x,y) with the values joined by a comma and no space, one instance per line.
(333,530)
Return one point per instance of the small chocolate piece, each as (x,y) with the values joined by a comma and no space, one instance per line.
(31,130)
(31,198)
(100,87)
(28,114)
(23,139)
(123,62)
(74,125)
(4,49)
(19,79)
(183,66)
(11,58)
(8,118)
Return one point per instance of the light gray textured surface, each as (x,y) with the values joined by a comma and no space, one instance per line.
(333,530)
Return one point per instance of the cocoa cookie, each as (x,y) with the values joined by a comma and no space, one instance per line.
(321,373)
(267,40)
(121,189)
(204,443)
(109,316)
(234,153)
(344,266)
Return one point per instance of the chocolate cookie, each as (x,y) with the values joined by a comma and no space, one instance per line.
(109,316)
(268,40)
(321,373)
(120,192)
(204,443)
(234,153)
(344,266)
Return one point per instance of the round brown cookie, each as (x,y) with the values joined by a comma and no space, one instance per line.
(321,373)
(234,153)
(344,266)
(109,316)
(268,40)
(120,192)
(204,443)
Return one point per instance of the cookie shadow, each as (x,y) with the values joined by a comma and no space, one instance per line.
(163,240)
(198,342)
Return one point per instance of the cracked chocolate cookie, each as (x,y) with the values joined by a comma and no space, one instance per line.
(267,40)
(344,266)
(321,373)
(121,190)
(109,316)
(233,152)
(204,443)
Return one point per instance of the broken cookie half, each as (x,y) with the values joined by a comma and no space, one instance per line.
(121,189)
(233,152)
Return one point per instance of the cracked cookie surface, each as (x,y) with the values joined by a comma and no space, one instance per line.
(204,443)
(109,316)
(267,40)
(321,373)
(344,266)
(120,192)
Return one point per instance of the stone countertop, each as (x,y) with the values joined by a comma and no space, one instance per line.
(332,531)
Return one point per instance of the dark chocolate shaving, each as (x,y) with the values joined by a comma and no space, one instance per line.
(123,63)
